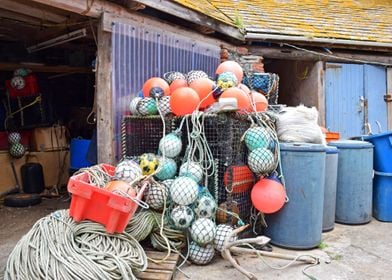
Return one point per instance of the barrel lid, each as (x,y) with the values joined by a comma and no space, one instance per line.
(302,147)
(331,150)
(350,144)
(379,135)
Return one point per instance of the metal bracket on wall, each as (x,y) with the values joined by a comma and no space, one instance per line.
(388,97)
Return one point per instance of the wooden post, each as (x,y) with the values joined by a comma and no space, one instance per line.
(321,92)
(105,134)
(389,92)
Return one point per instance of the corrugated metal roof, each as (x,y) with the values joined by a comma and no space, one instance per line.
(361,20)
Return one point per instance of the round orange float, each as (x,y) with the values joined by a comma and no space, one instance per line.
(231,66)
(184,101)
(121,187)
(268,196)
(260,102)
(243,99)
(155,82)
(204,88)
(179,83)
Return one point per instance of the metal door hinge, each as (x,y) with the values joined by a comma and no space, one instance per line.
(388,97)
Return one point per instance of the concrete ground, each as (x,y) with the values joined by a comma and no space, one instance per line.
(355,252)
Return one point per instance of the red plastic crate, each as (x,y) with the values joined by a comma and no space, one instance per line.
(31,88)
(98,205)
(25,134)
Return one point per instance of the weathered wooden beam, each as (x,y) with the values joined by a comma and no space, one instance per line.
(252,36)
(389,91)
(175,9)
(13,15)
(105,134)
(135,19)
(24,9)
(97,7)
(5,66)
(88,8)
(292,54)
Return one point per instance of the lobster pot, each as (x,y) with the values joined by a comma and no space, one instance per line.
(354,184)
(298,224)
(141,135)
(265,83)
(331,176)
(232,180)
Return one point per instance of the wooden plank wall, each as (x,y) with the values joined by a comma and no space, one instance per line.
(104,97)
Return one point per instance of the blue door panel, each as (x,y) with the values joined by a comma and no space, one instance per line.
(375,89)
(344,89)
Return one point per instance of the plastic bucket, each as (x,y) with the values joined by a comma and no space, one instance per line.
(79,149)
(382,151)
(382,196)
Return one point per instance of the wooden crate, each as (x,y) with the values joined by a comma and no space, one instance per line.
(159,271)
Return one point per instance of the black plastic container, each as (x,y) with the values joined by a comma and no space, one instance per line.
(32,178)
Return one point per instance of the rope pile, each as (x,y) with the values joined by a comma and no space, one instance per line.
(58,248)
(149,223)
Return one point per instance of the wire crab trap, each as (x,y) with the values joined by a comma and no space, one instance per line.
(141,135)
(232,181)
(265,83)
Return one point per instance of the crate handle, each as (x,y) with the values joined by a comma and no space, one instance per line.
(139,202)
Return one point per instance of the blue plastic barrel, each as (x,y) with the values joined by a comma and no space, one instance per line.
(354,187)
(382,196)
(382,151)
(298,224)
(78,153)
(331,177)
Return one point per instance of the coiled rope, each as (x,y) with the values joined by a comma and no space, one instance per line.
(58,248)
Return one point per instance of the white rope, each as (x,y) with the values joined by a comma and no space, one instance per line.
(58,248)
(97,175)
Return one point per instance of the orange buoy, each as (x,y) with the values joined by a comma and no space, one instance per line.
(121,187)
(204,88)
(268,196)
(184,101)
(231,66)
(155,84)
(244,88)
(260,102)
(243,99)
(179,83)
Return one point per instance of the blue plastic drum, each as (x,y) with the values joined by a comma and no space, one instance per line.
(354,186)
(298,224)
(331,177)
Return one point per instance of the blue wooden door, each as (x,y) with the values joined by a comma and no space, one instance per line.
(354,99)
(375,82)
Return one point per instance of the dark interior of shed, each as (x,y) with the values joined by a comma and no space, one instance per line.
(52,55)
(64,70)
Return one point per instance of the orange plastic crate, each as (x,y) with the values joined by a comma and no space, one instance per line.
(332,136)
(92,203)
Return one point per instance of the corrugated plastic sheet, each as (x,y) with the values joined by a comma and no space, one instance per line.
(140,52)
